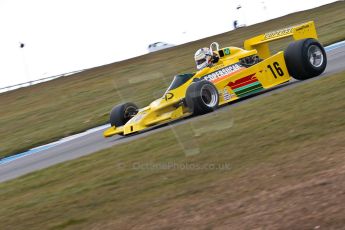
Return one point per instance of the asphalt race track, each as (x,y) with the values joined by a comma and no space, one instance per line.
(92,141)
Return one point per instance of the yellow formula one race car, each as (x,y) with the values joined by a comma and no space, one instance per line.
(236,74)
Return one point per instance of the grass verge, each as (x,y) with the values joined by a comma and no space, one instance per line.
(46,112)
(283,156)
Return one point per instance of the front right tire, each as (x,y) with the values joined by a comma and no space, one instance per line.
(202,97)
(122,113)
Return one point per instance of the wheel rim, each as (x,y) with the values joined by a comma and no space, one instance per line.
(130,112)
(209,95)
(315,56)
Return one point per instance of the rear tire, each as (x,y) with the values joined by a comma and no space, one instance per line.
(305,59)
(122,113)
(202,97)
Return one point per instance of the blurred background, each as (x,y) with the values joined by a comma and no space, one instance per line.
(45,38)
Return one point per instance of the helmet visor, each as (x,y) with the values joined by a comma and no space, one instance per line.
(201,61)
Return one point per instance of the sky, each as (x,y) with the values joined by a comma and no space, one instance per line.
(62,36)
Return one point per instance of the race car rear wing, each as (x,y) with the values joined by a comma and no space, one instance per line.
(260,43)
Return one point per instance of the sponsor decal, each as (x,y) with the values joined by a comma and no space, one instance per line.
(168,96)
(226,95)
(136,118)
(221,73)
(302,27)
(219,66)
(246,85)
(278,33)
(227,51)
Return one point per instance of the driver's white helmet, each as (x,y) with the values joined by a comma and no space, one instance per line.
(202,58)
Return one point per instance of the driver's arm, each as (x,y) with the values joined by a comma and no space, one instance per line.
(215,57)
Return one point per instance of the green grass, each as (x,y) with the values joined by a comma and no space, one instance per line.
(48,111)
(284,157)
